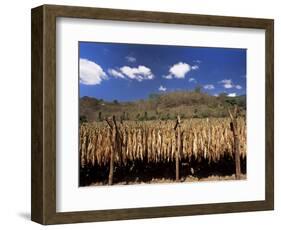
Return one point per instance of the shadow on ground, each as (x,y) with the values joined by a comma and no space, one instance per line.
(145,172)
(24,215)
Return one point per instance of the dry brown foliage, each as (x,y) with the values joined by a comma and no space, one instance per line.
(155,141)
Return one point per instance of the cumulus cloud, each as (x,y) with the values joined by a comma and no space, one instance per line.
(169,76)
(178,70)
(209,87)
(115,73)
(90,72)
(231,95)
(140,73)
(131,59)
(162,88)
(192,80)
(228,84)
(194,67)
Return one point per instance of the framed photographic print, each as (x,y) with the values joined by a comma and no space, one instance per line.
(141,114)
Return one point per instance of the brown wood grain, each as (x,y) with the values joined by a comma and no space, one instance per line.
(43,188)
(37,116)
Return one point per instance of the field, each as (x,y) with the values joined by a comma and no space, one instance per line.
(151,113)
(127,152)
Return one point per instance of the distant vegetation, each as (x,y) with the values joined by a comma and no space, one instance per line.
(164,106)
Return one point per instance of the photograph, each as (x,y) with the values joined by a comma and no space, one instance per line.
(153,113)
(174,108)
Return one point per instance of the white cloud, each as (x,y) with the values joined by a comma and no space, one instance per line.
(209,87)
(162,88)
(197,61)
(90,72)
(140,73)
(131,59)
(194,67)
(178,70)
(231,95)
(192,80)
(126,72)
(115,73)
(169,76)
(228,86)
(227,83)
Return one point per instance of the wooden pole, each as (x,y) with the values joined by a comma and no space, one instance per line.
(236,149)
(178,130)
(117,146)
(111,168)
(111,163)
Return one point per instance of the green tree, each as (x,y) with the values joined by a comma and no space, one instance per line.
(83,119)
(153,96)
(127,116)
(168,116)
(145,117)
(100,116)
(198,89)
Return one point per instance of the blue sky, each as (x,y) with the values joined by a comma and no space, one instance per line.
(127,72)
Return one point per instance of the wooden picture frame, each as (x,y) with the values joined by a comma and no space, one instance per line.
(43,207)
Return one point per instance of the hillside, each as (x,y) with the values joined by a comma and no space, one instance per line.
(162,106)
